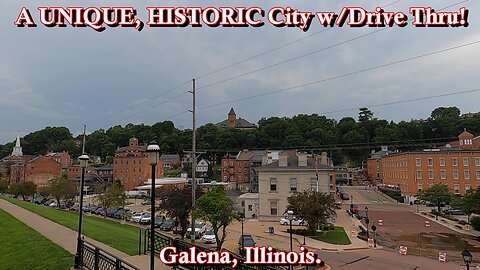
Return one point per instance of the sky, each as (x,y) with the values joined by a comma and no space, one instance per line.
(74,76)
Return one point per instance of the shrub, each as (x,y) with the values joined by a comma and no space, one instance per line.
(475,221)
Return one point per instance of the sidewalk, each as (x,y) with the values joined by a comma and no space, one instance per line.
(449,224)
(67,238)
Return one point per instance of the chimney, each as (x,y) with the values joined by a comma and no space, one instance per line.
(282,159)
(302,159)
(264,160)
(373,152)
(324,159)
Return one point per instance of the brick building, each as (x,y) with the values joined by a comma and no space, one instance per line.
(39,170)
(456,165)
(130,165)
(63,158)
(233,122)
(236,169)
(171,161)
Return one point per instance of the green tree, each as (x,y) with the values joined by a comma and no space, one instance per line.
(437,194)
(23,189)
(110,196)
(176,201)
(62,188)
(469,204)
(216,208)
(3,186)
(316,208)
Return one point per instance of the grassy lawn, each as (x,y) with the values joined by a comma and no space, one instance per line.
(123,237)
(24,248)
(337,237)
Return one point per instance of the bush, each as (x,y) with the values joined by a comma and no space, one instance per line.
(475,221)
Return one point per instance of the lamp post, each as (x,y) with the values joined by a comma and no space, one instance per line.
(83,163)
(467,257)
(290,218)
(153,151)
(374,229)
(241,216)
(367,221)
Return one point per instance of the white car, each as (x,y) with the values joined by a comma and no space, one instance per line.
(136,217)
(53,204)
(209,237)
(295,222)
(145,219)
(200,229)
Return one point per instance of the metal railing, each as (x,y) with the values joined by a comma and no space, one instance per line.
(95,258)
(162,241)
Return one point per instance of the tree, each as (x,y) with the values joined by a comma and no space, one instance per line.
(437,194)
(110,196)
(62,188)
(3,186)
(469,204)
(316,208)
(176,201)
(23,189)
(364,114)
(216,208)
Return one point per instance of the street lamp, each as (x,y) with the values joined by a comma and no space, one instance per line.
(153,151)
(83,163)
(290,218)
(374,229)
(467,257)
(367,221)
(241,217)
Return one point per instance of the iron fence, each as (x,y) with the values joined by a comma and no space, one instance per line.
(95,258)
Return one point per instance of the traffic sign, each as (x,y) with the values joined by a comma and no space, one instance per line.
(442,256)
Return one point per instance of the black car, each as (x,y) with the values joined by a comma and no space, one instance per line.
(121,213)
(168,225)
(111,211)
(159,220)
(247,242)
(99,211)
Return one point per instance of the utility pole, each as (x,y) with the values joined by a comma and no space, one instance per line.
(194,160)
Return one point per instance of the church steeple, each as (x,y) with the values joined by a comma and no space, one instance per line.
(17,150)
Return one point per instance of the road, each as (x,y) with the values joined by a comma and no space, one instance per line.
(382,259)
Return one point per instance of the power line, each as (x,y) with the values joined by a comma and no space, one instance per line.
(271,50)
(305,55)
(405,101)
(343,75)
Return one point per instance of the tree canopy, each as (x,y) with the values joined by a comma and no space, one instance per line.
(348,139)
(216,208)
(62,188)
(437,194)
(316,208)
(23,189)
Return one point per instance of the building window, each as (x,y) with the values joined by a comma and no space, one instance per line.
(115,162)
(442,162)
(139,162)
(456,189)
(455,174)
(454,161)
(477,161)
(420,187)
(419,175)
(314,184)
(430,162)
(225,179)
(430,174)
(273,208)
(467,188)
(273,184)
(134,162)
(418,162)
(466,174)
(250,208)
(478,175)
(293,184)
(443,174)
(225,163)
(465,161)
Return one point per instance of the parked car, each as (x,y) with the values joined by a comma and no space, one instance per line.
(209,237)
(159,220)
(200,229)
(75,207)
(99,211)
(137,216)
(295,221)
(454,212)
(146,202)
(48,202)
(121,213)
(247,242)
(111,212)
(344,196)
(146,219)
(431,204)
(53,204)
(167,225)
(354,208)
